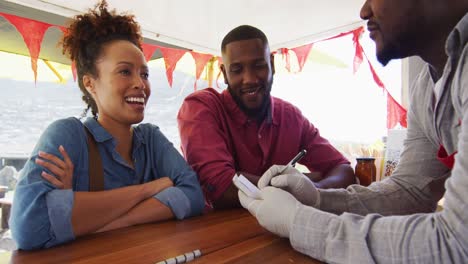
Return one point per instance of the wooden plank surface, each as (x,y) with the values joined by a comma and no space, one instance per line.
(265,248)
(231,236)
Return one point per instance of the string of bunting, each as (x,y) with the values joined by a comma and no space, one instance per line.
(396,113)
(33,32)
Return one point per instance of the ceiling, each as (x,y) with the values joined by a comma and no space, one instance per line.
(195,25)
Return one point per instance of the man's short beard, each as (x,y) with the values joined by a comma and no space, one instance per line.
(400,48)
(258,111)
(385,57)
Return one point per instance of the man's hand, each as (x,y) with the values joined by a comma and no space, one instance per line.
(275,212)
(62,170)
(292,181)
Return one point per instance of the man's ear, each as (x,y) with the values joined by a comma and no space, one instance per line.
(88,82)
(223,70)
(272,62)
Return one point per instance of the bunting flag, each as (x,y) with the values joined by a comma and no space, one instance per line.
(73,69)
(359,50)
(148,50)
(302,53)
(286,57)
(200,62)
(395,112)
(343,34)
(171,57)
(32,32)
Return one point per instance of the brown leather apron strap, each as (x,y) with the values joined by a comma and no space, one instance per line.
(95,170)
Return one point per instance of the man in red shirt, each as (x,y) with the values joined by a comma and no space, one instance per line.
(245,130)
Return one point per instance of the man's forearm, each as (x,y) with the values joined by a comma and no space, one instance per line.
(340,177)
(230,199)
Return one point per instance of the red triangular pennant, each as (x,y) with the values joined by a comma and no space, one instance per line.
(148,50)
(286,58)
(375,76)
(32,32)
(395,113)
(302,53)
(359,50)
(73,69)
(171,57)
(200,62)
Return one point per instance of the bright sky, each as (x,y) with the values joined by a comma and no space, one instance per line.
(19,68)
(345,107)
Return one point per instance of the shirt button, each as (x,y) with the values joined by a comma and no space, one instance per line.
(259,136)
(210,188)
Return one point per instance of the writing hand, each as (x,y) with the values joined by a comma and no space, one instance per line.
(291,180)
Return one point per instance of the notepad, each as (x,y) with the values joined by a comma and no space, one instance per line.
(243,184)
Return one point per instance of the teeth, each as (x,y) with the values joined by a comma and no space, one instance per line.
(251,91)
(140,100)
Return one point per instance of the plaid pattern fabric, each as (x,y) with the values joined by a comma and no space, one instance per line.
(393,221)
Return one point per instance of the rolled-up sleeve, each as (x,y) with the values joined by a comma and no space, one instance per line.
(185,199)
(41,214)
(175,199)
(60,203)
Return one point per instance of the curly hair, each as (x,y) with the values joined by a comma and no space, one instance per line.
(88,33)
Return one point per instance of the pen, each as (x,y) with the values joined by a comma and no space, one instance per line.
(189,256)
(293,162)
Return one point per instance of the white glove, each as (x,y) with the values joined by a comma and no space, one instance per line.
(292,181)
(275,212)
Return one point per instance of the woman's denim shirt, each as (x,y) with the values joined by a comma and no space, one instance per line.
(41,213)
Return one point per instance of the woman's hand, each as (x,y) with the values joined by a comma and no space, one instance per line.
(62,170)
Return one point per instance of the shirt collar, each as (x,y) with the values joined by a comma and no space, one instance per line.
(457,38)
(239,116)
(98,132)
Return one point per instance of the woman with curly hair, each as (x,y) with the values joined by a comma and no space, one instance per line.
(145,179)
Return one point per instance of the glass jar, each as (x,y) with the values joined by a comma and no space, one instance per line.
(365,170)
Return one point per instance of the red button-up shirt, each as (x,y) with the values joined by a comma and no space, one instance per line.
(218,139)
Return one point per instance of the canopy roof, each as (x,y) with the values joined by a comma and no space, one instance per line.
(194,25)
(171,27)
